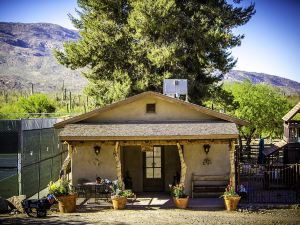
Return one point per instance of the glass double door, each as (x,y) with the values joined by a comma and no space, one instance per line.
(153,177)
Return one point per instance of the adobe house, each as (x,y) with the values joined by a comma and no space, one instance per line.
(155,139)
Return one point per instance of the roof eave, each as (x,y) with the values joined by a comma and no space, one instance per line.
(147,138)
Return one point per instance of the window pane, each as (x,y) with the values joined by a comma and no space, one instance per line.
(149,154)
(157,162)
(157,172)
(149,162)
(157,151)
(150,108)
(149,173)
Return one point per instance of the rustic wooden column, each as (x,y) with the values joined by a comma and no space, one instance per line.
(116,154)
(232,162)
(67,160)
(182,164)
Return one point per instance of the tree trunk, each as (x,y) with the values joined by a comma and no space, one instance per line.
(63,171)
(118,163)
(232,162)
(248,142)
(182,164)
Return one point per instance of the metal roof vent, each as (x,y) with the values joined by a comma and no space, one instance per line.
(176,88)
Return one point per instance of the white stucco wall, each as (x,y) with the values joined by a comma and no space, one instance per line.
(137,111)
(194,156)
(85,163)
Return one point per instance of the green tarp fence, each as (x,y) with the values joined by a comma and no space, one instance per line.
(30,156)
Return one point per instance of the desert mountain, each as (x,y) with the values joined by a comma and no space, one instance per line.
(26,58)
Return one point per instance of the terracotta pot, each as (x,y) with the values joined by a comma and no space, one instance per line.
(231,202)
(67,203)
(181,203)
(119,202)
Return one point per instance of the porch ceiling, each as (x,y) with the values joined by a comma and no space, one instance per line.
(149,131)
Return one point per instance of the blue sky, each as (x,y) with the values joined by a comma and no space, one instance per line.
(272,36)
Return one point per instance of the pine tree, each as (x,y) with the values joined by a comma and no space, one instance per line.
(131,46)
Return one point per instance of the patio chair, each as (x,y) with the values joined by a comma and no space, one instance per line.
(82,191)
(102,191)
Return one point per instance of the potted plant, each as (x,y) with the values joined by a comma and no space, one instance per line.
(119,195)
(180,199)
(65,195)
(231,198)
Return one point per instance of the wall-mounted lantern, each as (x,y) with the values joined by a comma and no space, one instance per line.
(206,148)
(97,149)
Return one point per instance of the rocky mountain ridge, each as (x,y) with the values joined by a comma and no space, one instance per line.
(26,58)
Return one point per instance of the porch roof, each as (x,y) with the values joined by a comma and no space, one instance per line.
(149,131)
(292,112)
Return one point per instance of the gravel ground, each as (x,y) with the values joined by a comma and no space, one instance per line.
(161,216)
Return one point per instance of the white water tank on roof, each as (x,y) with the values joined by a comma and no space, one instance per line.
(175,87)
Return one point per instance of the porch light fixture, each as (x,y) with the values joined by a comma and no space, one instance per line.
(97,149)
(206,148)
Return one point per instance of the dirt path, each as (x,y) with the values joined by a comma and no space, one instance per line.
(162,216)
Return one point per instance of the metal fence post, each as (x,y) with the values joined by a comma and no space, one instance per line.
(39,165)
(19,165)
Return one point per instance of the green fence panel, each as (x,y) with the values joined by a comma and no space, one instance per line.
(30,181)
(9,186)
(31,147)
(47,144)
(45,173)
(42,156)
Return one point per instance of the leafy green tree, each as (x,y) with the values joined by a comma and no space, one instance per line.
(263,106)
(131,46)
(36,105)
(221,99)
(11,111)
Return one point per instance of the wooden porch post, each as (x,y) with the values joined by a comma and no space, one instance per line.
(232,162)
(118,162)
(182,164)
(63,171)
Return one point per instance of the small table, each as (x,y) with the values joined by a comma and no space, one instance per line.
(98,189)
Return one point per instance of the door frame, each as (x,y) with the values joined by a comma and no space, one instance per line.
(162,179)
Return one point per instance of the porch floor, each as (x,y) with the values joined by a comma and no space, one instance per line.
(150,200)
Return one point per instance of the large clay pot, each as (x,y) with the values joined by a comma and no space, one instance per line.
(181,203)
(119,202)
(67,203)
(231,202)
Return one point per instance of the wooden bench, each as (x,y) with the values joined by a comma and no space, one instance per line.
(208,185)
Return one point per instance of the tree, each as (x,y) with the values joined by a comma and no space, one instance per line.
(11,111)
(221,99)
(131,46)
(37,104)
(263,106)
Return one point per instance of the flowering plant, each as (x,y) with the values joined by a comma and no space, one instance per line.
(60,188)
(177,191)
(229,191)
(117,190)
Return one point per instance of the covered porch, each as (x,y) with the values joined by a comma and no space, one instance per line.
(150,161)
